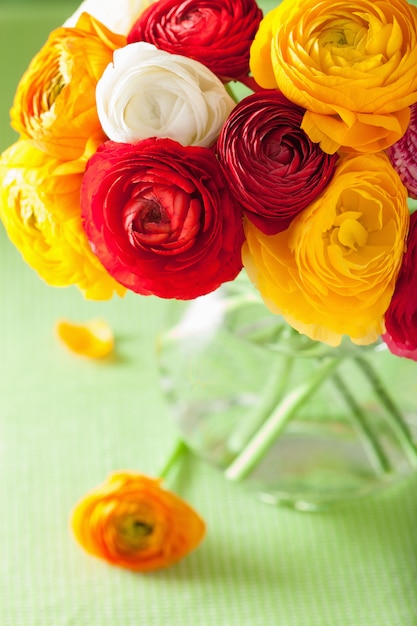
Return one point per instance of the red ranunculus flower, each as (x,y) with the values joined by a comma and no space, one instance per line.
(160,218)
(218,34)
(403,155)
(401,317)
(274,169)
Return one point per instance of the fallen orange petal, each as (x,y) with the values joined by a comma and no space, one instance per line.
(93,339)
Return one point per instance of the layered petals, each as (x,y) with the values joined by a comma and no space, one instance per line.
(403,155)
(131,521)
(40,210)
(333,271)
(273,168)
(54,104)
(218,34)
(161,219)
(401,316)
(352,67)
(148,92)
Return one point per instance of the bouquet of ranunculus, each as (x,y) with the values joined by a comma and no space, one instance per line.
(138,168)
(165,146)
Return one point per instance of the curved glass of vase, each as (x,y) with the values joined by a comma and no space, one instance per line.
(299,422)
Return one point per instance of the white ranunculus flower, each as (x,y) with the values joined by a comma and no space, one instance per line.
(118,15)
(147,92)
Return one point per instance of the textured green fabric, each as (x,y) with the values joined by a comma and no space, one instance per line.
(65,423)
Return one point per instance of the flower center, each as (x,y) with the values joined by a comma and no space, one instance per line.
(194,25)
(150,212)
(33,213)
(134,531)
(356,224)
(146,217)
(163,219)
(55,82)
(277,148)
(340,43)
(191,18)
(348,232)
(342,33)
(54,89)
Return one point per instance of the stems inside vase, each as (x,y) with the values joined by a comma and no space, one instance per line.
(370,434)
(393,415)
(375,451)
(273,427)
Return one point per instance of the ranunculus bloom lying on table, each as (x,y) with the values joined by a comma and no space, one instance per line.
(132,522)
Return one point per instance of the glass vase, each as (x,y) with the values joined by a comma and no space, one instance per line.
(297,421)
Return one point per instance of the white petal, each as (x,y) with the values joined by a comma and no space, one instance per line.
(147,92)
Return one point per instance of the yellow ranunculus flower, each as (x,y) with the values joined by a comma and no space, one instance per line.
(351,65)
(39,207)
(333,271)
(54,104)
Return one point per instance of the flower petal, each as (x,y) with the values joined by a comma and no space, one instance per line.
(93,339)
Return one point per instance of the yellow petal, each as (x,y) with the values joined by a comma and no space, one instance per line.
(93,339)
(40,210)
(261,64)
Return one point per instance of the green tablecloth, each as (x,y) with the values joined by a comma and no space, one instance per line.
(65,423)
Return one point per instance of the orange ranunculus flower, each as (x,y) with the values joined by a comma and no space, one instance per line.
(333,271)
(132,522)
(39,207)
(54,104)
(351,65)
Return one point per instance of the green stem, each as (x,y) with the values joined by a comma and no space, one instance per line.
(396,422)
(359,421)
(273,393)
(179,450)
(272,427)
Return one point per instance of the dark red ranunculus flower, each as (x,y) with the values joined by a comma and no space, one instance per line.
(403,155)
(401,316)
(160,218)
(218,33)
(274,169)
